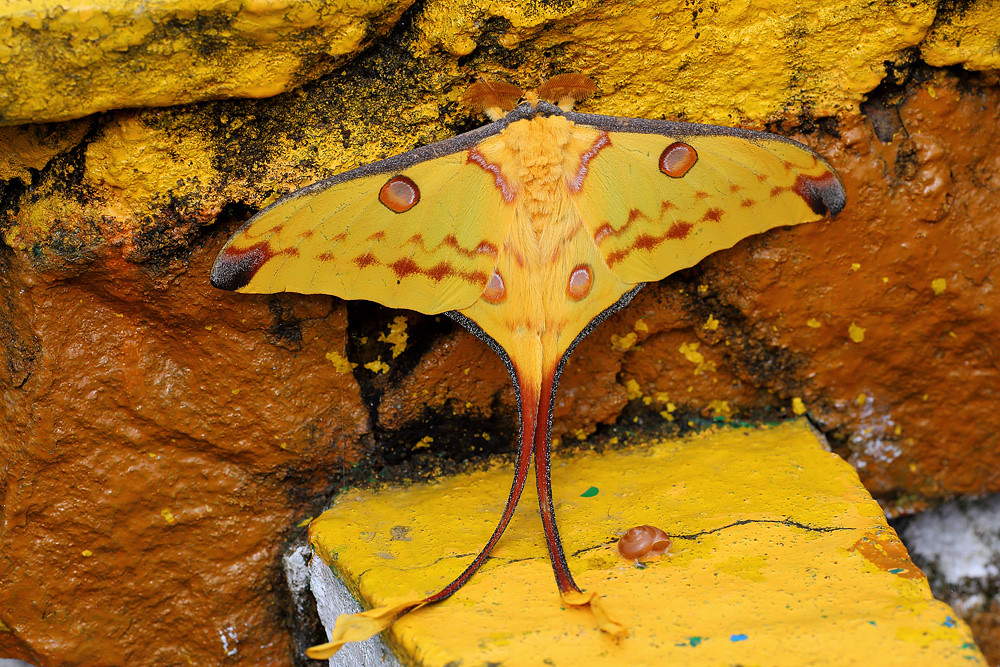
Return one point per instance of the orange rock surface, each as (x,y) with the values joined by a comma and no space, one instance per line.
(160,442)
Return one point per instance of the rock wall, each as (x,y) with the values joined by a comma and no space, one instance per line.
(160,441)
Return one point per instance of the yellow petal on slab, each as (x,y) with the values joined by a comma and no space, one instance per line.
(361,626)
(593,602)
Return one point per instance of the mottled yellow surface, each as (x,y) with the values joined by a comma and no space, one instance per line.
(780,557)
(32,146)
(64,59)
(967,35)
(712,62)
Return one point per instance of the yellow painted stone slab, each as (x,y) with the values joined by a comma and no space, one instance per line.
(780,557)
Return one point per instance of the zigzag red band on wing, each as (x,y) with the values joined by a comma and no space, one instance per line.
(407,267)
(678,231)
(450,241)
(606,230)
(506,191)
(602,141)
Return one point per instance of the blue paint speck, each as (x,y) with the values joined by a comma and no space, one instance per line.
(895,570)
(590,493)
(737,638)
(949,622)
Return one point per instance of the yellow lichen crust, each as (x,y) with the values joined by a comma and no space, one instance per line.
(711,62)
(967,35)
(61,60)
(779,557)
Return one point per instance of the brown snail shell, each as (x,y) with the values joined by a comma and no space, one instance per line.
(643,542)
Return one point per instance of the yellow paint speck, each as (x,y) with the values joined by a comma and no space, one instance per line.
(377,366)
(305,522)
(87,553)
(720,409)
(283,445)
(340,363)
(167,515)
(632,390)
(236,391)
(711,324)
(208,327)
(855,267)
(466,371)
(952,334)
(702,289)
(424,443)
(691,353)
(798,407)
(885,279)
(640,325)
(813,323)
(856,333)
(397,336)
(939,285)
(860,400)
(624,342)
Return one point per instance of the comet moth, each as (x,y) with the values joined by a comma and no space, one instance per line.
(528,231)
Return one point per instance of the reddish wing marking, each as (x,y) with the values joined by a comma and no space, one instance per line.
(506,191)
(713,214)
(450,241)
(603,141)
(407,267)
(495,291)
(679,231)
(823,194)
(677,159)
(236,267)
(399,194)
(580,282)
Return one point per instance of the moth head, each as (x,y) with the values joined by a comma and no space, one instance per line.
(494,98)
(565,90)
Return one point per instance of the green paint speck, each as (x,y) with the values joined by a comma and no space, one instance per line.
(590,493)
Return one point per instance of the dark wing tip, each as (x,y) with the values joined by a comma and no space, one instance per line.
(235,268)
(823,194)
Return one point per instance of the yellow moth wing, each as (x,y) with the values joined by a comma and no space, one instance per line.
(435,253)
(658,203)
